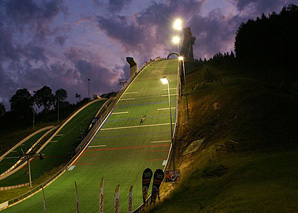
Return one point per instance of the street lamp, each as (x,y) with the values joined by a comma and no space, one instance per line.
(181,58)
(164,80)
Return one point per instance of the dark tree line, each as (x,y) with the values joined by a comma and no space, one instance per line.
(41,106)
(271,43)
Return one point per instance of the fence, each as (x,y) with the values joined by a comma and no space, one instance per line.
(106,110)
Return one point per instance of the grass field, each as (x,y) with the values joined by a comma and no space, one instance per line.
(120,151)
(60,149)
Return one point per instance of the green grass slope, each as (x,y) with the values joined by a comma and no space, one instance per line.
(121,150)
(60,149)
(15,154)
(261,174)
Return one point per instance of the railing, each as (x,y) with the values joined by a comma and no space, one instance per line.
(106,110)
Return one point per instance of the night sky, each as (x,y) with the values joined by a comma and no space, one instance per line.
(63,43)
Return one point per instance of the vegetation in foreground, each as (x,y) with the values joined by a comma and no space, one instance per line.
(238,152)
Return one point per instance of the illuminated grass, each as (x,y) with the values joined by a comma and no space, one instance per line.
(126,154)
(60,151)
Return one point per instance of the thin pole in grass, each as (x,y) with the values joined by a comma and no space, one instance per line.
(164,80)
(77,198)
(181,58)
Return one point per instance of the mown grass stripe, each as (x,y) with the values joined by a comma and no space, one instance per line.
(118,113)
(166,141)
(130,127)
(160,102)
(130,93)
(97,146)
(127,99)
(167,108)
(129,135)
(128,147)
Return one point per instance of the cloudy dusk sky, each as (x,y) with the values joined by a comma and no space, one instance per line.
(63,43)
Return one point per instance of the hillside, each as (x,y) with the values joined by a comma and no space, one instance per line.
(227,104)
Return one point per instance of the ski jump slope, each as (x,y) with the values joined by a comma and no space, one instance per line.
(121,149)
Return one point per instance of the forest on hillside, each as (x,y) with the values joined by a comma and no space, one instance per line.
(271,44)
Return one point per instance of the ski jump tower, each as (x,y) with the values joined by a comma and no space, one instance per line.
(188,42)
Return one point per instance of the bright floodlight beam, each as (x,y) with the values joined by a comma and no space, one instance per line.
(178,24)
(176,40)
(164,80)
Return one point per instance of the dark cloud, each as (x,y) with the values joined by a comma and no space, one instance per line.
(28,11)
(7,87)
(257,7)
(36,53)
(32,14)
(60,40)
(214,33)
(7,48)
(121,29)
(117,5)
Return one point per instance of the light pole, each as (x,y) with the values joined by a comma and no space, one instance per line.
(33,111)
(181,58)
(176,40)
(164,80)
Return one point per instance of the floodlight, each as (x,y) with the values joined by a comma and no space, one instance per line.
(176,40)
(180,58)
(164,80)
(177,24)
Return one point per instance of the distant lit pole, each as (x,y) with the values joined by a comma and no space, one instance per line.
(164,80)
(181,58)
(176,40)
(88,86)
(33,111)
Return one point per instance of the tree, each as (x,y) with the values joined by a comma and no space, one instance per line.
(2,109)
(78,96)
(44,97)
(21,102)
(61,94)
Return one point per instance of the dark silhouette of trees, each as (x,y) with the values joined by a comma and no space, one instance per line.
(78,96)
(271,43)
(44,98)
(2,109)
(21,103)
(61,94)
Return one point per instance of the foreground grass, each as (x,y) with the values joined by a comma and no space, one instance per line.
(249,183)
(260,176)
